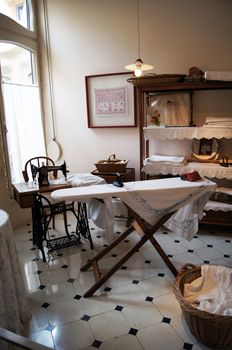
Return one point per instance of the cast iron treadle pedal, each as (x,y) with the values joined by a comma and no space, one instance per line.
(62,242)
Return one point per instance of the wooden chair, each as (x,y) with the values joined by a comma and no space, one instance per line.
(37,161)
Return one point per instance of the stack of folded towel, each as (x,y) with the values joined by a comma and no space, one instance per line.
(218,75)
(174,160)
(212,291)
(218,122)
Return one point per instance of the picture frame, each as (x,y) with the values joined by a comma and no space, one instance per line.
(110,101)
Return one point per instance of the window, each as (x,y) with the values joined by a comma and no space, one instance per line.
(18,10)
(21,108)
(21,124)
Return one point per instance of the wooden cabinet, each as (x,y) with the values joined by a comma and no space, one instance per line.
(145,87)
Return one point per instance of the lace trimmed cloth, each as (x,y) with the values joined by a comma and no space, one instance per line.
(152,199)
(14,309)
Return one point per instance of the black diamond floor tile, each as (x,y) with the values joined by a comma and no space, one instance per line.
(187,346)
(118,308)
(85,318)
(149,299)
(77,297)
(166,320)
(42,286)
(133,331)
(45,305)
(96,344)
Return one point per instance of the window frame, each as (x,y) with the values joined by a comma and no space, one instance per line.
(14,33)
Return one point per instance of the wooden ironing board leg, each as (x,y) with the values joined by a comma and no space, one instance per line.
(149,231)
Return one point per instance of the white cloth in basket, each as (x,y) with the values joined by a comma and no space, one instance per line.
(212,292)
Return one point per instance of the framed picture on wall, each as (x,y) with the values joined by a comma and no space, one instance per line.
(110,101)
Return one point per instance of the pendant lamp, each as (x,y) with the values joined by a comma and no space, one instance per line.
(138,66)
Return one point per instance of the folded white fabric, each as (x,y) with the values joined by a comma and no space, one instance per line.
(165,159)
(218,75)
(212,292)
(221,122)
(218,119)
(85,179)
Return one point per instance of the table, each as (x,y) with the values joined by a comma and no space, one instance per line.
(25,194)
(153,203)
(14,310)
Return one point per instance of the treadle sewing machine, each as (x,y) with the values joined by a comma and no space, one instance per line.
(44,170)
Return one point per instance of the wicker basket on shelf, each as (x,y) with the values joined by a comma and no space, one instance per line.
(210,329)
(112,164)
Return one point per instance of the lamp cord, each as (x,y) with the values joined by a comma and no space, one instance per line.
(49,67)
(138,28)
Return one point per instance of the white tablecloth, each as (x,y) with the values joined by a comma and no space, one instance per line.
(152,199)
(14,310)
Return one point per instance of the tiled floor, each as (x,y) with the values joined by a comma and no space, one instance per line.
(136,309)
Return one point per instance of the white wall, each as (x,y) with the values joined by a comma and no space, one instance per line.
(90,37)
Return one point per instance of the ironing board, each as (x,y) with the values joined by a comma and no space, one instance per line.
(153,203)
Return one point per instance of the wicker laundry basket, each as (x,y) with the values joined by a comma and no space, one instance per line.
(210,329)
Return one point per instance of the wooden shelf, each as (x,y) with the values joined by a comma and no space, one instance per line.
(180,133)
(146,86)
(149,84)
(209,170)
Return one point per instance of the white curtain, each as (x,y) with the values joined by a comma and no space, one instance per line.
(25,138)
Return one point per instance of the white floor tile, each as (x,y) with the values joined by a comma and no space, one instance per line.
(142,314)
(155,286)
(58,292)
(108,325)
(160,336)
(65,311)
(54,276)
(96,305)
(128,294)
(43,338)
(125,342)
(208,253)
(167,305)
(72,336)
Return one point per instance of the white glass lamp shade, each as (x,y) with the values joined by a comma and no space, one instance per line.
(138,67)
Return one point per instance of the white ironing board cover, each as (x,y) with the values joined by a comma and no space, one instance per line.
(151,199)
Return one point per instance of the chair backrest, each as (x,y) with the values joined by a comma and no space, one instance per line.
(37,161)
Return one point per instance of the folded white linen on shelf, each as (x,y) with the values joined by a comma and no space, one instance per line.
(218,75)
(212,292)
(221,122)
(156,158)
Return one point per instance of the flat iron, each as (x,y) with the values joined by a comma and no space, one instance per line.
(118,182)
